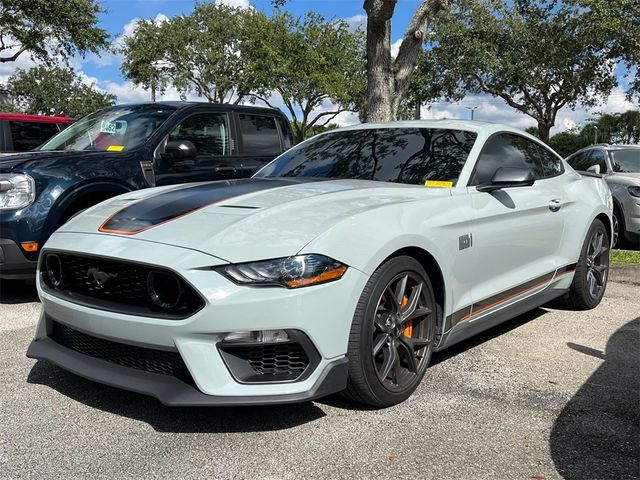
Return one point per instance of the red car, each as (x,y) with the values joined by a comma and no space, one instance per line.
(21,133)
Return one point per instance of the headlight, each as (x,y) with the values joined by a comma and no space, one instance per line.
(634,191)
(290,272)
(16,191)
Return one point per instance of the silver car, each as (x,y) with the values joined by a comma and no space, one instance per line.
(620,166)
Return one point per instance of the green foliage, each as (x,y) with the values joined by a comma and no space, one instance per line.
(203,52)
(309,62)
(616,128)
(315,130)
(539,56)
(617,24)
(54,90)
(568,142)
(49,29)
(625,256)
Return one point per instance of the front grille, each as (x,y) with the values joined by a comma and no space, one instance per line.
(139,358)
(115,285)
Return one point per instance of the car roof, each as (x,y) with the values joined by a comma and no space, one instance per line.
(470,125)
(21,117)
(183,105)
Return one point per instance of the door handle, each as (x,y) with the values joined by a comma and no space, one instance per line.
(555,205)
(225,169)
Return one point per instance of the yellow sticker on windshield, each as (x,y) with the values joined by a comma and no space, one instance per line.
(115,148)
(438,184)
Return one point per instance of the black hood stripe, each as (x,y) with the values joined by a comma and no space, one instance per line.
(167,206)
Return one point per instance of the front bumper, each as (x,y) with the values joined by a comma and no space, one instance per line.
(323,313)
(172,391)
(13,263)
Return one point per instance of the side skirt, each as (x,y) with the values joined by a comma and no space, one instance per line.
(466,330)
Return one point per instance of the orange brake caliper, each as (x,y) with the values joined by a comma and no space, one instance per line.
(408,328)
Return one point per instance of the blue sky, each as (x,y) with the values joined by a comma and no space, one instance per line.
(121,16)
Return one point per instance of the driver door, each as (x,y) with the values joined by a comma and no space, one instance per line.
(210,134)
(517,232)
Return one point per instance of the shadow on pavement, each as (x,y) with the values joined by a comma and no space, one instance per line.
(18,291)
(597,434)
(172,419)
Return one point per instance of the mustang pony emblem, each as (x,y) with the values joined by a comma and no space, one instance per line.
(100,278)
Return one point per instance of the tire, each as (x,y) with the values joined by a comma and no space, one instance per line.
(618,228)
(381,378)
(593,266)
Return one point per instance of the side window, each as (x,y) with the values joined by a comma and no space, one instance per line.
(597,157)
(29,135)
(579,161)
(209,132)
(259,135)
(551,164)
(506,150)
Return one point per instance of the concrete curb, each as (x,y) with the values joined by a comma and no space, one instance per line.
(625,273)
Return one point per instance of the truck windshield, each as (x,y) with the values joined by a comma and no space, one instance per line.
(114,129)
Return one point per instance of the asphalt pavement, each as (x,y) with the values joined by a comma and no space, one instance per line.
(551,394)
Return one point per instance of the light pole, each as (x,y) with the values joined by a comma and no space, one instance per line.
(474,108)
(595,135)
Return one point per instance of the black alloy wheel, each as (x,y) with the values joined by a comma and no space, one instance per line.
(392,334)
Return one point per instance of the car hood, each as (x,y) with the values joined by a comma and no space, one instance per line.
(242,220)
(21,161)
(625,178)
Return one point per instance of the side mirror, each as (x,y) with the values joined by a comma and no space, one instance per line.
(594,169)
(507,177)
(177,150)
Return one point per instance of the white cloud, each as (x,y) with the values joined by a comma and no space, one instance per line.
(234,3)
(492,109)
(395,47)
(357,21)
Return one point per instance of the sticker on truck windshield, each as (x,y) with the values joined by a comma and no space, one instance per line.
(108,127)
(115,148)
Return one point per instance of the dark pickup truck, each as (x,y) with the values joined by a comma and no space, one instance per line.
(125,148)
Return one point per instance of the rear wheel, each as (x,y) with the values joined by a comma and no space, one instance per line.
(592,270)
(618,228)
(392,334)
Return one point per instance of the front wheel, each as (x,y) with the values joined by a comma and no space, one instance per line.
(592,270)
(392,334)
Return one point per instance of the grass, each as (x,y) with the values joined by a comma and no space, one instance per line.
(625,256)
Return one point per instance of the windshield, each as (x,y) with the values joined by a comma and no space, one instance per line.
(402,155)
(113,130)
(626,160)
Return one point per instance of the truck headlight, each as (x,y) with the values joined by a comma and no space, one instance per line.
(289,272)
(16,191)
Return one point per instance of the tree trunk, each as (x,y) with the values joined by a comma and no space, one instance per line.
(379,59)
(544,130)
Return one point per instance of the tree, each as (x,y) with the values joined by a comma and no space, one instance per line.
(388,79)
(539,56)
(49,29)
(144,55)
(617,24)
(568,142)
(46,90)
(315,66)
(203,52)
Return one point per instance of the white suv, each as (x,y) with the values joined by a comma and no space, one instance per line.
(620,166)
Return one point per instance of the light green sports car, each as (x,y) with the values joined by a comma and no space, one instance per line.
(339,267)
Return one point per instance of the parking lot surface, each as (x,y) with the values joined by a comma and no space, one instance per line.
(551,394)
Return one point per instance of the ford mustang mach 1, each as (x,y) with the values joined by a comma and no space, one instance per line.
(341,266)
